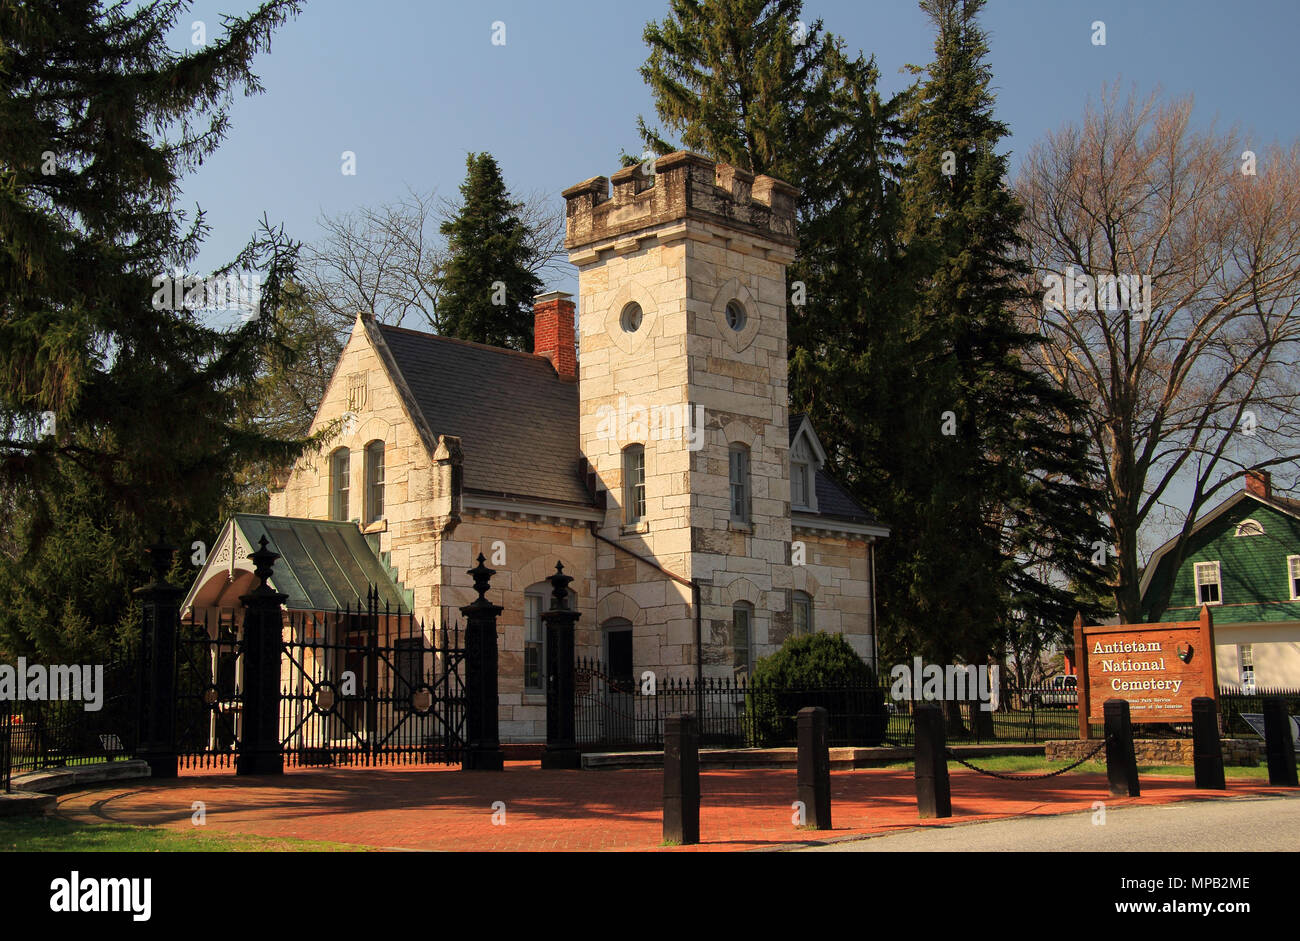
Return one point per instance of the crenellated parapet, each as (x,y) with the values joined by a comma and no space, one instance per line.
(684,188)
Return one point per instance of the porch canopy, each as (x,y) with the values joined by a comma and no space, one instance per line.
(323,566)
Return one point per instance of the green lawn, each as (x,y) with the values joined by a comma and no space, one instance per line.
(1036,764)
(54,834)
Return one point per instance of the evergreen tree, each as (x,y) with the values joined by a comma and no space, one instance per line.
(100,119)
(488,286)
(998,512)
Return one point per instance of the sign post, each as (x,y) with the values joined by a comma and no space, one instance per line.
(1158,668)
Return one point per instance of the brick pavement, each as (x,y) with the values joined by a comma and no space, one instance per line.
(439,808)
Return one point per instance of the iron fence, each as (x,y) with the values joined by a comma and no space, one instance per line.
(36,735)
(1234,702)
(623,713)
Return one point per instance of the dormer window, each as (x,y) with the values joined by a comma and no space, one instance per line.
(800,485)
(1249,528)
(806,458)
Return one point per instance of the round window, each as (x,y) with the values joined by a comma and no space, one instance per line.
(631,318)
(735,316)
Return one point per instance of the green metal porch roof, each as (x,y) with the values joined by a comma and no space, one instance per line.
(323,564)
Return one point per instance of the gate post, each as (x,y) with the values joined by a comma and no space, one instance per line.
(1207,753)
(1278,745)
(259,743)
(933,792)
(156,720)
(483,749)
(561,746)
(1121,762)
(814,769)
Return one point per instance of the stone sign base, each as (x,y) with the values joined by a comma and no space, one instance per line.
(1245,752)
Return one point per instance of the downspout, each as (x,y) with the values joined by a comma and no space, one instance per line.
(875,624)
(695,602)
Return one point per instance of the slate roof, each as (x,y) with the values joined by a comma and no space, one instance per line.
(516,418)
(832,499)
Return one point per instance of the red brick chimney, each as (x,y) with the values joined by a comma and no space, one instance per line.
(553,332)
(1260,483)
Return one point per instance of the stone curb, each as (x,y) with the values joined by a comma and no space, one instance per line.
(842,759)
(55,780)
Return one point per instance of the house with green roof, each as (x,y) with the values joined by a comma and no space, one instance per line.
(1243,561)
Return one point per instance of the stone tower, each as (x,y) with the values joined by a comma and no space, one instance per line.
(682,301)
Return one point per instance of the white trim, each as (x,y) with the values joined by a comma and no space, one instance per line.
(530,508)
(1154,562)
(1240,528)
(1291,576)
(803,521)
(1197,583)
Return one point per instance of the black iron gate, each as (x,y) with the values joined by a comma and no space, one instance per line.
(209,693)
(371,686)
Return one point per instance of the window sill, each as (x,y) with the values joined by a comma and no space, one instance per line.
(533,697)
(738,527)
(378,526)
(634,529)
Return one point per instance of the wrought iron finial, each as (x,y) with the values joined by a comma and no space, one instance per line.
(482,576)
(560,588)
(263,561)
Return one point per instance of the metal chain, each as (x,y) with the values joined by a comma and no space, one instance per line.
(1026,777)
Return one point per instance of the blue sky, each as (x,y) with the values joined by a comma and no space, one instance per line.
(410,87)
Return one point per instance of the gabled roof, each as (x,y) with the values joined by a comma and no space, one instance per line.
(323,565)
(516,418)
(833,500)
(1281,504)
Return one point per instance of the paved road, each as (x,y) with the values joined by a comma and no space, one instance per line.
(1247,823)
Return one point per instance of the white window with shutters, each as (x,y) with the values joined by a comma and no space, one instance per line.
(1293,576)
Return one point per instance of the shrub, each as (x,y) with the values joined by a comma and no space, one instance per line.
(814,670)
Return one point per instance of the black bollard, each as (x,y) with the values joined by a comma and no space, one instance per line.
(814,778)
(1279,747)
(1121,761)
(1207,754)
(681,780)
(933,795)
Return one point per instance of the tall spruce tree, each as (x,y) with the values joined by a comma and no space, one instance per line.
(906,315)
(99,120)
(998,511)
(488,285)
(748,82)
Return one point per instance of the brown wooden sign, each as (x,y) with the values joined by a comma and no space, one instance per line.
(1158,668)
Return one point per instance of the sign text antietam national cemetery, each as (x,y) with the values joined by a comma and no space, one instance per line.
(1158,668)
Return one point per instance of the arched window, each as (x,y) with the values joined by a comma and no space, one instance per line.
(618,649)
(537,598)
(634,483)
(742,639)
(740,489)
(801,613)
(374,481)
(340,472)
(1249,528)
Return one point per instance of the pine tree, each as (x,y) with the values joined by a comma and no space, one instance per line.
(101,118)
(1006,486)
(748,82)
(488,285)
